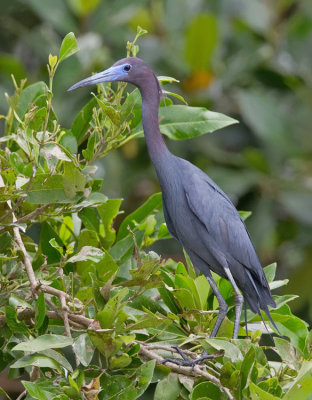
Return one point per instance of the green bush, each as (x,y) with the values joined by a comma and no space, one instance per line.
(88,312)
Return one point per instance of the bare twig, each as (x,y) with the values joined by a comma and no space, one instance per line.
(55,292)
(189,353)
(27,313)
(189,371)
(27,261)
(35,213)
(64,310)
(24,392)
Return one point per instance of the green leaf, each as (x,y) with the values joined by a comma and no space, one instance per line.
(108,211)
(88,253)
(181,122)
(68,47)
(46,234)
(109,111)
(47,189)
(122,361)
(168,388)
(301,387)
(83,349)
(270,272)
(37,360)
(106,268)
(88,153)
(141,31)
(291,326)
(90,218)
(287,352)
(167,79)
(40,311)
(169,300)
(120,387)
(56,246)
(245,214)
(29,96)
(201,40)
(73,180)
(206,390)
(69,142)
(231,351)
(35,391)
(49,151)
(259,394)
(4,394)
(16,301)
(177,96)
(12,321)
(122,250)
(203,289)
(109,314)
(152,203)
(66,229)
(246,367)
(59,358)
(81,123)
(44,342)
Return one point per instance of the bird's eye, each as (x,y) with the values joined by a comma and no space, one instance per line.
(127,68)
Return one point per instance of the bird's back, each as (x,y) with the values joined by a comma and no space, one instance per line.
(200,215)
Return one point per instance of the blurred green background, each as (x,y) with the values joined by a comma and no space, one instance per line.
(250,59)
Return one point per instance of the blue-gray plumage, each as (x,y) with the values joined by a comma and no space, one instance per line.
(197,212)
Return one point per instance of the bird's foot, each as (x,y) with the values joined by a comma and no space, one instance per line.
(186,361)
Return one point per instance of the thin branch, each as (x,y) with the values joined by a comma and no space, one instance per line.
(189,353)
(24,392)
(35,213)
(65,310)
(28,313)
(81,319)
(51,290)
(188,371)
(27,260)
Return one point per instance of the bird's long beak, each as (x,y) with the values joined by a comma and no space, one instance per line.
(109,75)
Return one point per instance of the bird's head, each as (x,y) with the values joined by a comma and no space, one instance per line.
(131,69)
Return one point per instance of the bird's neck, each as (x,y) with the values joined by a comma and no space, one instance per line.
(156,145)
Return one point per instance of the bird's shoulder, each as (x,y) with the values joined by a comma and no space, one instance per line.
(196,182)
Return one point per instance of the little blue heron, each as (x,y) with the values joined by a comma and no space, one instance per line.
(197,212)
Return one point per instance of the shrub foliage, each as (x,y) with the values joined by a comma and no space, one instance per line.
(90,313)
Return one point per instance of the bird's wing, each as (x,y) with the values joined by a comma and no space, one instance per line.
(223,223)
(168,220)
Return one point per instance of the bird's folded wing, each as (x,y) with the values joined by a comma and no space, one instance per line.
(222,221)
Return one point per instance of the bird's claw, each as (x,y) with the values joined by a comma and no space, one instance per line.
(186,361)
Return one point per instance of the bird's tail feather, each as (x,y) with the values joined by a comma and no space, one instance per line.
(267,313)
(260,299)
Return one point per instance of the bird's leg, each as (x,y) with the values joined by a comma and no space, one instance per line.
(245,312)
(239,299)
(186,361)
(223,308)
(222,303)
